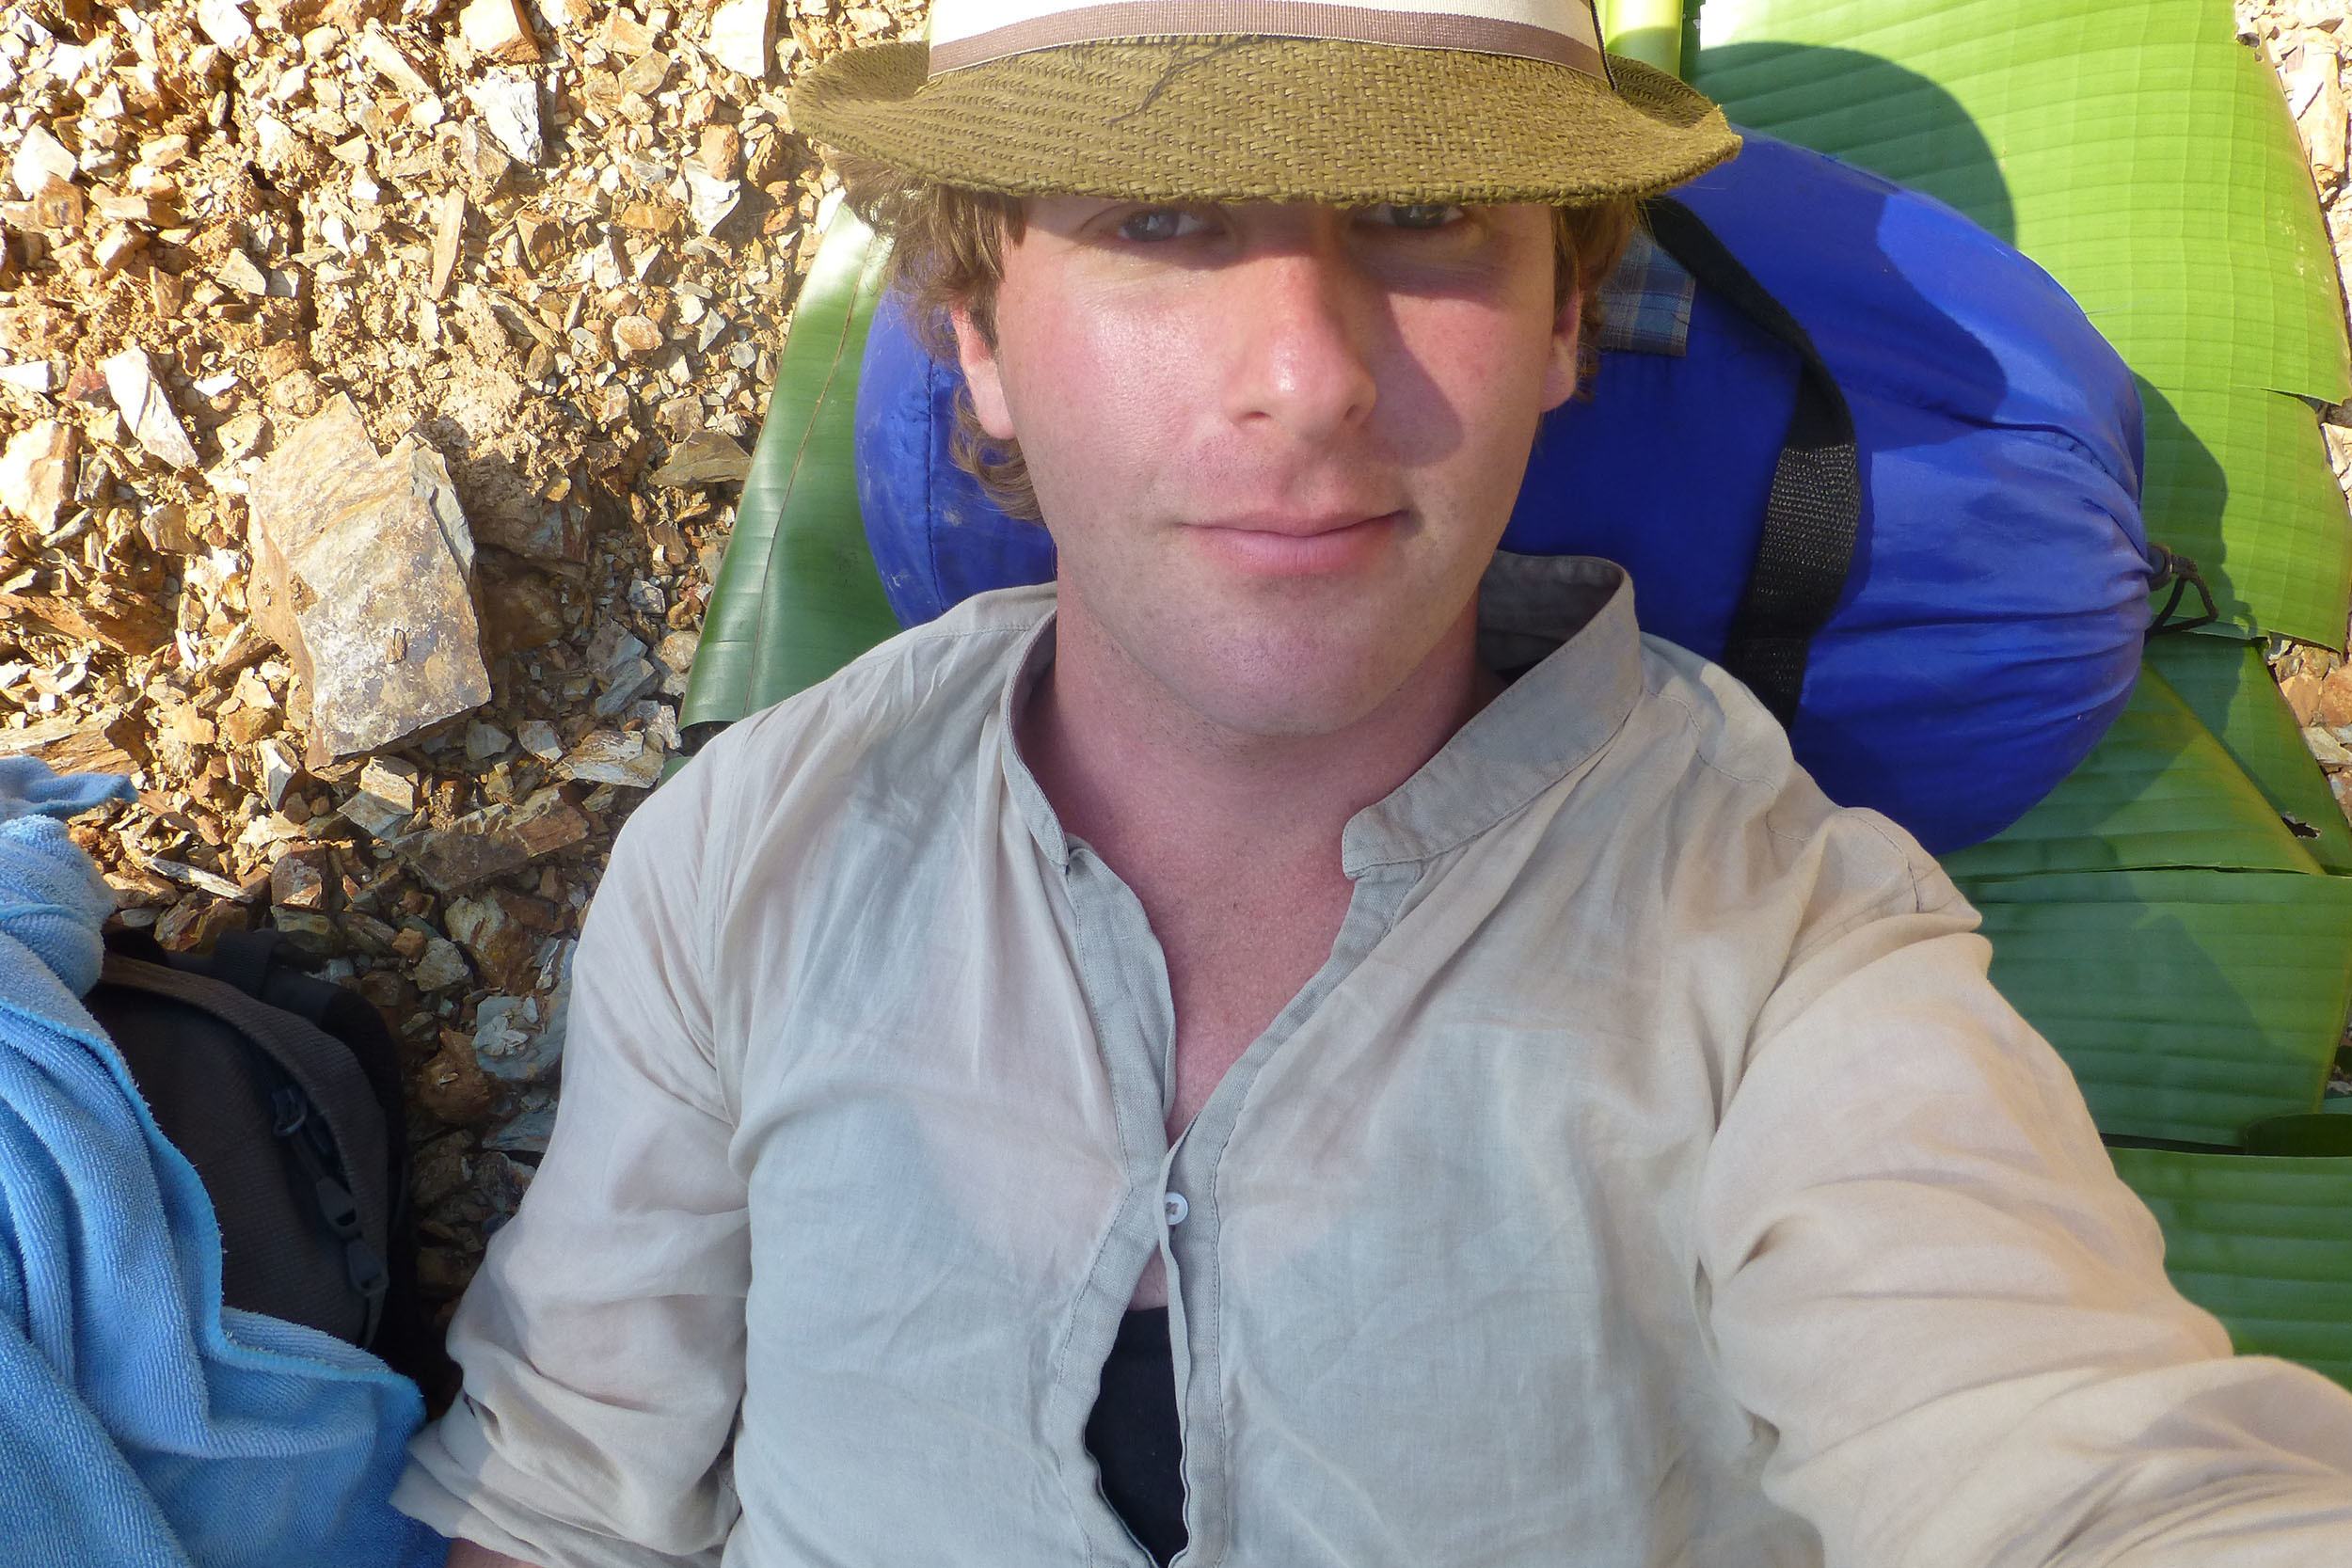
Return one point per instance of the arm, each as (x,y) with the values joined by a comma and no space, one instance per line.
(602,1341)
(1926,1280)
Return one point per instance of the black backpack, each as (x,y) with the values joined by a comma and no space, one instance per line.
(283,1091)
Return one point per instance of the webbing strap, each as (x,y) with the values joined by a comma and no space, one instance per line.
(1814,511)
(322,1067)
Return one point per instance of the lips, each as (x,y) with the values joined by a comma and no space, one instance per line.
(1293,525)
(1295,544)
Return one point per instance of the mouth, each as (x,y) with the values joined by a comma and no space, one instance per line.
(1299,525)
(1294,545)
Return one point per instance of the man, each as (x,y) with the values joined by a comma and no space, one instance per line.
(1310,1042)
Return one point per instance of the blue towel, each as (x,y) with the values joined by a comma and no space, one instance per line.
(142,1423)
(27,787)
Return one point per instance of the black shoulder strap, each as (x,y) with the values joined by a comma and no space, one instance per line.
(257,964)
(1815,510)
(332,1084)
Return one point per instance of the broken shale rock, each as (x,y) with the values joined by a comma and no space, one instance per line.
(119,617)
(453,860)
(37,472)
(362,565)
(707,457)
(497,30)
(146,409)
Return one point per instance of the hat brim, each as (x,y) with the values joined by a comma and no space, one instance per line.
(1266,120)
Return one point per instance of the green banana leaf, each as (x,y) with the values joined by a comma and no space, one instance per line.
(2264,1243)
(2158,790)
(2231,690)
(2140,153)
(798,595)
(2188,1002)
(2326,1131)
(2162,918)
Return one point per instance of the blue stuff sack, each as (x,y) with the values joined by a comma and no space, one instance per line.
(1991,622)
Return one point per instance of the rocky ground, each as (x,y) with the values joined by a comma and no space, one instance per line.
(375,380)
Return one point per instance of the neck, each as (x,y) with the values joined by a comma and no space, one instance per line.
(1152,785)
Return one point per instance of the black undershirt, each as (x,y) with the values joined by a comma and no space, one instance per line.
(1134,1436)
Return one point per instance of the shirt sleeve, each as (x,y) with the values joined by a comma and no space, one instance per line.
(1924,1281)
(602,1341)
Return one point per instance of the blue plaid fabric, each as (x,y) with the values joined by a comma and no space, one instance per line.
(1645,304)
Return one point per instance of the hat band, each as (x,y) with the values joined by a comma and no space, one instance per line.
(1302,18)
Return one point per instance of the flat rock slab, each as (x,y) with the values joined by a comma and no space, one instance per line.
(362,565)
(740,37)
(611,756)
(453,860)
(146,409)
(37,472)
(509,111)
(103,743)
(39,159)
(703,458)
(497,31)
(126,621)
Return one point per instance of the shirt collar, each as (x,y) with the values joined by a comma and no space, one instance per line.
(1565,621)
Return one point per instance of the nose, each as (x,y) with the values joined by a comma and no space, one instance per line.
(1301,324)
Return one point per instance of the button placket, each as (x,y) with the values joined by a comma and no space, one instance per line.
(1125,984)
(1190,1176)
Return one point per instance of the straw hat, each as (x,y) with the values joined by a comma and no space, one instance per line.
(1406,100)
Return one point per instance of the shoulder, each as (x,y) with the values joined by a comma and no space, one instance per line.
(1741,812)
(913,711)
(1774,903)
(947,673)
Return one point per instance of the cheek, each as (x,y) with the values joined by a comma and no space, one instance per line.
(1486,373)
(1092,394)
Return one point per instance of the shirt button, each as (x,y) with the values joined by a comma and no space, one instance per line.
(1177,1208)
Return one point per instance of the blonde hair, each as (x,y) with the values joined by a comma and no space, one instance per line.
(947,251)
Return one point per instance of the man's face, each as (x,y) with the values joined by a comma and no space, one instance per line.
(1274,444)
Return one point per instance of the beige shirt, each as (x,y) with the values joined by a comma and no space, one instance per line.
(1651,1178)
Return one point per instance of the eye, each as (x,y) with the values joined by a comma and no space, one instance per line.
(1151,224)
(1418,215)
